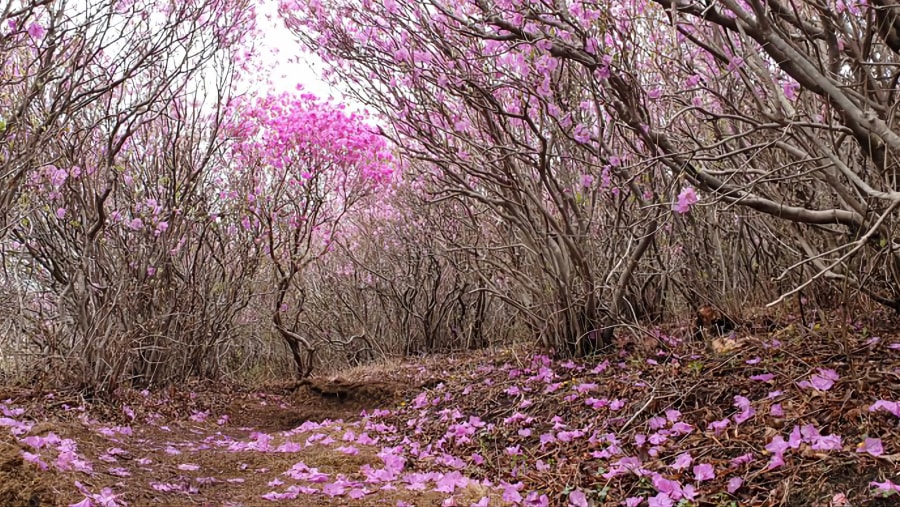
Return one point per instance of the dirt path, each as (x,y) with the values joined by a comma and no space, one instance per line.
(312,447)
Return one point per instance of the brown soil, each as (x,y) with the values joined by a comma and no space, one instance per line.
(221,477)
(20,485)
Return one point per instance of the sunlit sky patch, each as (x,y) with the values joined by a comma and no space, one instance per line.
(289,65)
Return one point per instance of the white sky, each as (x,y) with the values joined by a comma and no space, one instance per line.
(290,66)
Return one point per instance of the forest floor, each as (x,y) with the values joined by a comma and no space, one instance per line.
(788,415)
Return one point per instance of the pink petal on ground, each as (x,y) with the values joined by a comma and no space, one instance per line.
(871,446)
(577,498)
(704,472)
(890,406)
(682,461)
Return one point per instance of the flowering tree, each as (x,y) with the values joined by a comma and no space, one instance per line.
(408,277)
(518,132)
(147,205)
(64,64)
(111,113)
(590,130)
(298,166)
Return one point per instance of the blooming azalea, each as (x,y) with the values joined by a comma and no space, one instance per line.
(686,199)
(36,30)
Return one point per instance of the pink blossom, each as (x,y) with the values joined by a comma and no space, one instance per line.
(577,498)
(583,135)
(34,458)
(718,426)
(36,30)
(686,199)
(886,488)
(777,445)
(349,450)
(795,437)
(667,486)
(334,489)
(585,388)
(106,498)
(822,381)
(661,500)
(871,446)
(827,443)
(595,403)
(889,406)
(746,412)
(511,492)
(536,499)
(682,461)
(743,459)
(790,90)
(777,460)
(681,428)
(704,472)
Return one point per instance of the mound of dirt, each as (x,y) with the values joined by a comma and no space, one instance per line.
(21,485)
(366,393)
(315,400)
